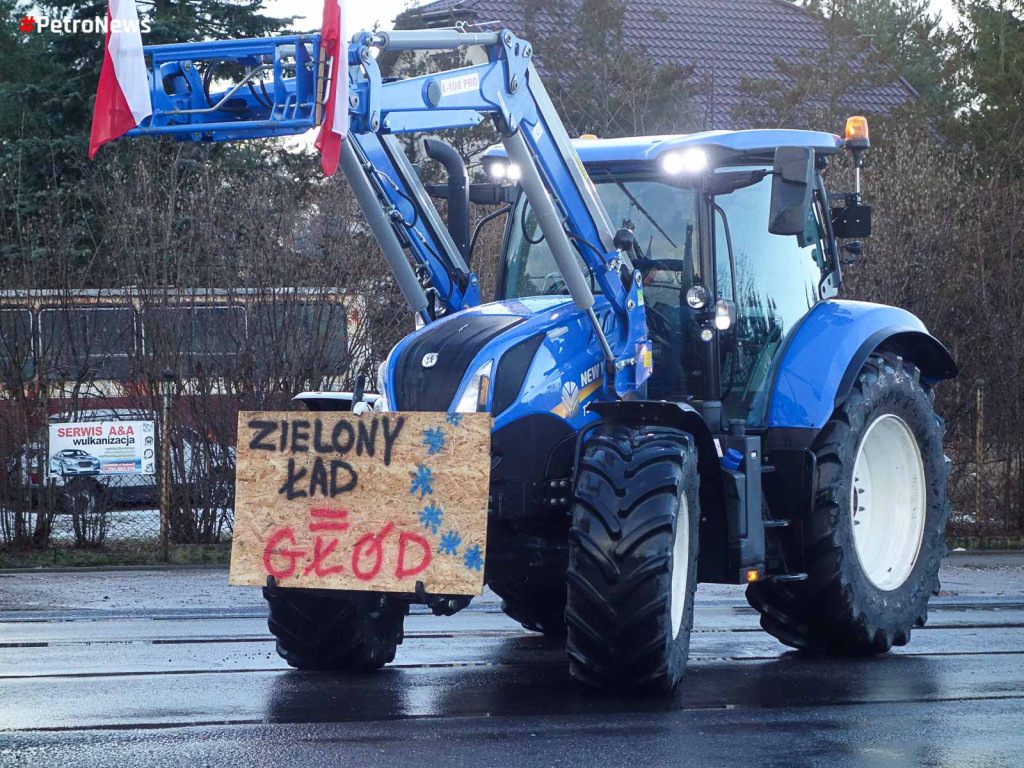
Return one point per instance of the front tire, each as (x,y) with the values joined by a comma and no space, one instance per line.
(327,630)
(876,535)
(633,558)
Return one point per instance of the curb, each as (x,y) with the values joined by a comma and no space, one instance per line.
(979,554)
(984,552)
(986,558)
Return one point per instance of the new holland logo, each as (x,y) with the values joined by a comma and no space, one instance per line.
(571,399)
(430,360)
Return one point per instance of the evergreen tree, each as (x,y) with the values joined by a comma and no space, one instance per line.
(47,88)
(906,37)
(820,89)
(985,74)
(868,43)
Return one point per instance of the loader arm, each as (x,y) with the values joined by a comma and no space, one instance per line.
(423,257)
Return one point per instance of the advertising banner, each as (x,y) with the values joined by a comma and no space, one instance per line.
(91,449)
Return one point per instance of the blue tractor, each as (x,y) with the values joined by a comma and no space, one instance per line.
(678,395)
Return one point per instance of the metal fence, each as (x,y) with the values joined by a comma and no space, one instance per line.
(186,359)
(187,502)
(89,514)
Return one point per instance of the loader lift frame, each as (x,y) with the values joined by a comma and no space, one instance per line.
(417,246)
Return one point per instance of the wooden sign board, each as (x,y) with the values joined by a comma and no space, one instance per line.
(376,502)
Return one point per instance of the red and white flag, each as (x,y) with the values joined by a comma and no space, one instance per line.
(336,119)
(122,99)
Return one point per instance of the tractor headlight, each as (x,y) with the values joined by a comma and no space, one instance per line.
(698,297)
(688,161)
(725,315)
(500,170)
(474,398)
(382,405)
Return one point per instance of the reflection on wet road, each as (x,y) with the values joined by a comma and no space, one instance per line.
(153,683)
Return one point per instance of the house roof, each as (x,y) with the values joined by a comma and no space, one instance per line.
(650,148)
(724,40)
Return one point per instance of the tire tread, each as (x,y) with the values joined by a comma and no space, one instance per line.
(627,492)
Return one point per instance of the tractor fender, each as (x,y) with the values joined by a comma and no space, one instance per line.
(714,534)
(826,351)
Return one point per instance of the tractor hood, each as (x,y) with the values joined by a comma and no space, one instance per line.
(534,351)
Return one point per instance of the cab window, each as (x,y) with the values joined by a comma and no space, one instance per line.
(777,280)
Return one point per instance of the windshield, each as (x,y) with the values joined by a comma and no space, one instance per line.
(664,219)
(663,216)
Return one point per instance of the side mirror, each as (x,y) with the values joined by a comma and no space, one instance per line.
(490,193)
(792,190)
(625,240)
(480,194)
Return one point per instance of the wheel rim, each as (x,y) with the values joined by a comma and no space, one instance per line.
(887,502)
(680,567)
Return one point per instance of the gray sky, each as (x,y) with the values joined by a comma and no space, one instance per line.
(361,14)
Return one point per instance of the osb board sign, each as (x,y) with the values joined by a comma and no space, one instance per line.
(376,502)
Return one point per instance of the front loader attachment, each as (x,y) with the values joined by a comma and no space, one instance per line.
(267,87)
(229,90)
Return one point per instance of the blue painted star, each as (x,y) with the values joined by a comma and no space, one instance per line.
(472,559)
(431,516)
(454,419)
(449,544)
(434,440)
(422,481)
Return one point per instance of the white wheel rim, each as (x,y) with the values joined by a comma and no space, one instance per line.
(680,567)
(887,502)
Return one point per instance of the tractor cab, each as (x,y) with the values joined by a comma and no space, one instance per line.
(722,290)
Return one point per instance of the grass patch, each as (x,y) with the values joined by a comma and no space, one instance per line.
(183,554)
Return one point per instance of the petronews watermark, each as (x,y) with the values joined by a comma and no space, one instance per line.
(70,26)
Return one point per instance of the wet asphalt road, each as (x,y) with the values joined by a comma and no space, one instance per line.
(175,668)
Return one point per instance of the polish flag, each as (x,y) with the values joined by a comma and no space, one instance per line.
(335,123)
(122,99)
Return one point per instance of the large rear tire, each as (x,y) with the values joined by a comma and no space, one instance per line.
(633,558)
(325,630)
(876,535)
